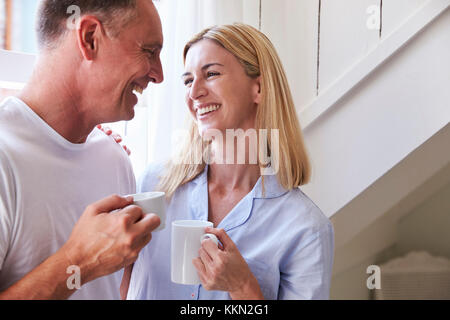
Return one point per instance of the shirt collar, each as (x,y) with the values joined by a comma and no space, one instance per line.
(242,211)
(272,188)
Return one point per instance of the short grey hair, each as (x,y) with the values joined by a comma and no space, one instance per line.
(52,17)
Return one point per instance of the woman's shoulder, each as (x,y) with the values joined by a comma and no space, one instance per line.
(150,178)
(302,210)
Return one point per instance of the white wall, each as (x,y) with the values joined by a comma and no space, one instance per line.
(366,95)
(364,147)
(424,227)
(389,114)
(427,226)
(292,26)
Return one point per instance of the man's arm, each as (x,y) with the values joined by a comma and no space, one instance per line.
(125,285)
(101,243)
(47,281)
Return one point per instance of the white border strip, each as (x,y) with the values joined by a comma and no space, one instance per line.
(11,85)
(358,72)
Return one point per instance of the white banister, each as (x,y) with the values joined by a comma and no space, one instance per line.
(328,97)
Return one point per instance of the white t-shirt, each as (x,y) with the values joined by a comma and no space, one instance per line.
(46,183)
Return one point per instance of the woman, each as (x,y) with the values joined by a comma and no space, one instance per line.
(276,243)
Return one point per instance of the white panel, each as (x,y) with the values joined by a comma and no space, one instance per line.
(251,12)
(218,12)
(346,36)
(293,28)
(395,12)
(389,45)
(15,67)
(2,24)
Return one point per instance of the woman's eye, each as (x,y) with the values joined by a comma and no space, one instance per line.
(188,82)
(213,74)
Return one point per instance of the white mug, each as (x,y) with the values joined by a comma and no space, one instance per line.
(187,236)
(152,202)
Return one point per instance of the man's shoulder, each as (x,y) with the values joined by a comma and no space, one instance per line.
(6,102)
(106,144)
(8,181)
(11,123)
(14,123)
(5,161)
(102,150)
(10,111)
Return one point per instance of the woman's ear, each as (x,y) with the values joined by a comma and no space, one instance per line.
(257,90)
(89,32)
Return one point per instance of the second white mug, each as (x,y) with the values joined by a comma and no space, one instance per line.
(187,236)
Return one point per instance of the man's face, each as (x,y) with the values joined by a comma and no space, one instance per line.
(128,63)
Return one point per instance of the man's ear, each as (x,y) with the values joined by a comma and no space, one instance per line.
(257,90)
(89,32)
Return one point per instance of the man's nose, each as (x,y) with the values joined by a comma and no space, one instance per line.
(156,73)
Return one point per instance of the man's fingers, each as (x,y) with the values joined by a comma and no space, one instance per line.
(148,223)
(143,240)
(109,204)
(133,212)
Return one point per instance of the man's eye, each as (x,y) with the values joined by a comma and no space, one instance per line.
(150,53)
(187,82)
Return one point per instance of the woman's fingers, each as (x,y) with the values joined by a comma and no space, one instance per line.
(106,130)
(198,264)
(116,137)
(223,237)
(204,254)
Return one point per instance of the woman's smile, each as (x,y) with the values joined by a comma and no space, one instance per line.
(206,111)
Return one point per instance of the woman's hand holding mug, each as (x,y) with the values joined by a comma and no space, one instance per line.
(225,269)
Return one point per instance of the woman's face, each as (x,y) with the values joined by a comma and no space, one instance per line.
(219,94)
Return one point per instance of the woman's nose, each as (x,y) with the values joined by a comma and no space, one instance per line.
(197,90)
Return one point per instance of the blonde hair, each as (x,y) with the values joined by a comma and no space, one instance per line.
(276,111)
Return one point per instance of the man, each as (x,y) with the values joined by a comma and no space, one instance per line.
(54,162)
